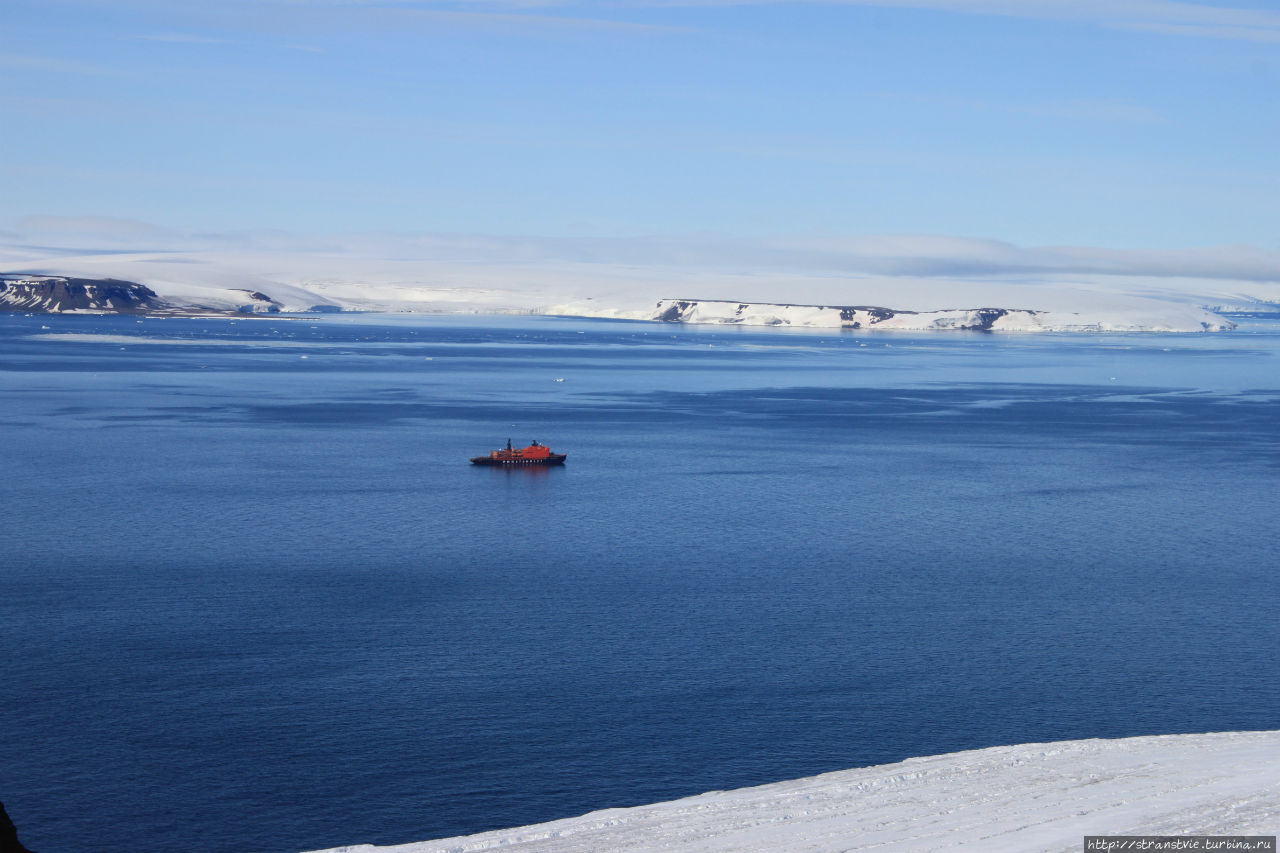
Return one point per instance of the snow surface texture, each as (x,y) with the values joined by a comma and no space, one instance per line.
(1032,797)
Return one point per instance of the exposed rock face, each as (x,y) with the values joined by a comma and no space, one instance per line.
(850,315)
(9,842)
(673,310)
(260,303)
(56,294)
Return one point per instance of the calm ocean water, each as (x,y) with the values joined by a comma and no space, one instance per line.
(253,598)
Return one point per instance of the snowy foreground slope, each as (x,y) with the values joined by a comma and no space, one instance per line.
(1032,797)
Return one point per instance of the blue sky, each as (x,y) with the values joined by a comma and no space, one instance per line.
(1123,125)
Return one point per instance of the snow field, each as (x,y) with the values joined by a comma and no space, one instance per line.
(1031,797)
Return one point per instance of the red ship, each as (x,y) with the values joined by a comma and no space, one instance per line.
(534,454)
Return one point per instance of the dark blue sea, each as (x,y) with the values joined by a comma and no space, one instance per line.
(254,598)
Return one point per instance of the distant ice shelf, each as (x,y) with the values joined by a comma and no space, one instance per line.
(1032,797)
(1252,307)
(1164,317)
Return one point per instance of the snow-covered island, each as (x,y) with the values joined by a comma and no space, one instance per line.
(1032,797)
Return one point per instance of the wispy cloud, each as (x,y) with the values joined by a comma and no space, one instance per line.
(178,38)
(109,232)
(56,65)
(1267,35)
(908,255)
(1167,17)
(1078,109)
(343,16)
(531,20)
(923,255)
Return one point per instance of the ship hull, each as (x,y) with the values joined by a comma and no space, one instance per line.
(498,462)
